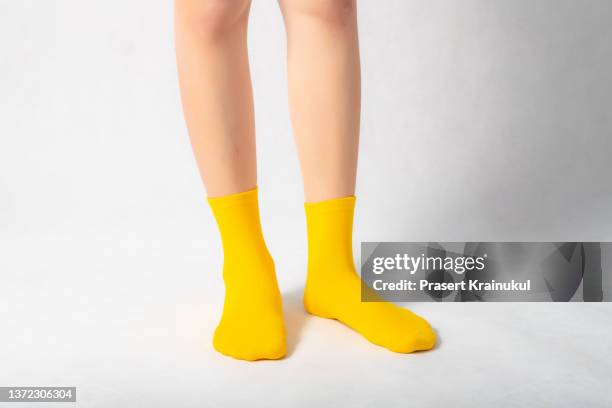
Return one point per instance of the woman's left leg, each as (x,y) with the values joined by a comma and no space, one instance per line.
(324,94)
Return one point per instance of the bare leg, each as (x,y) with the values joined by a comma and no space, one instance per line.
(324,94)
(218,104)
(216,91)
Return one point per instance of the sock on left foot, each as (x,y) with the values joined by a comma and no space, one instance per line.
(333,288)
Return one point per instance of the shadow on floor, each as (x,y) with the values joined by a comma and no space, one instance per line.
(295,317)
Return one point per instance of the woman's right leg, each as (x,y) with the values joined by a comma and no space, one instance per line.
(218,104)
(211,48)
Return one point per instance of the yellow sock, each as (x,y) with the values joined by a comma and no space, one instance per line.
(333,288)
(251,327)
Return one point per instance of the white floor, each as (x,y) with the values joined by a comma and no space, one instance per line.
(482,120)
(129,321)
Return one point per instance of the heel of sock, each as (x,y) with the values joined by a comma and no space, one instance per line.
(313,307)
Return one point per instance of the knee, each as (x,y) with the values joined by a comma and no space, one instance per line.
(337,13)
(211,19)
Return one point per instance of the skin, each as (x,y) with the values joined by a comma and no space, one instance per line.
(324,92)
(216,91)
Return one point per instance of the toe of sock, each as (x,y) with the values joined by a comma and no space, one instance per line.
(260,349)
(425,339)
(253,354)
(275,351)
(419,337)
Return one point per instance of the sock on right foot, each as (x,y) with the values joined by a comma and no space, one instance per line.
(251,327)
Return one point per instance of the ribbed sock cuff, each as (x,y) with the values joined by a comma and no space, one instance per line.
(245,197)
(334,204)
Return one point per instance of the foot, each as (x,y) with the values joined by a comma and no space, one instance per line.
(251,327)
(336,294)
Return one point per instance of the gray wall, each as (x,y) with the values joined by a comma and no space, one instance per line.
(487,120)
(482,120)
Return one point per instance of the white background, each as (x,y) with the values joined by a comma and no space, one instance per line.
(482,120)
